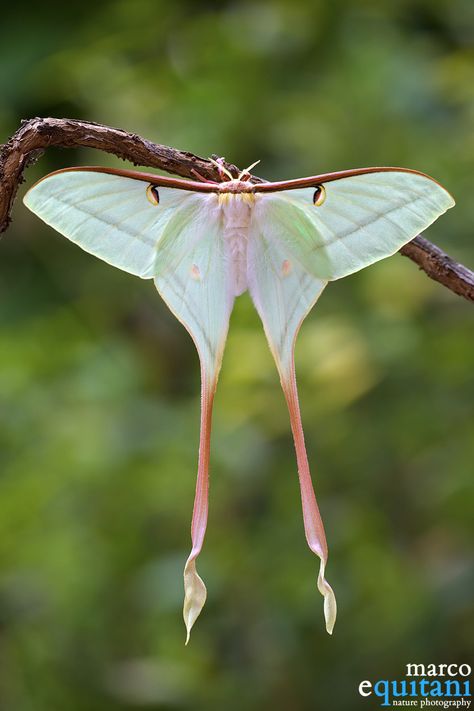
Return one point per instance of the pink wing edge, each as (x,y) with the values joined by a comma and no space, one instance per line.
(215,187)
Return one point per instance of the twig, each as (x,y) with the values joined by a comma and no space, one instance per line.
(37,134)
(440,267)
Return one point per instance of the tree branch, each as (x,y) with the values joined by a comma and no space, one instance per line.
(35,135)
(440,267)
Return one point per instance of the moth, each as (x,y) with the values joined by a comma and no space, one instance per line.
(206,242)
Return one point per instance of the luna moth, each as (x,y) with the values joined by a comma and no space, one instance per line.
(205,242)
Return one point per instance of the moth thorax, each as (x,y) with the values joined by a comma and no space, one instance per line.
(236,186)
(231,198)
(236,208)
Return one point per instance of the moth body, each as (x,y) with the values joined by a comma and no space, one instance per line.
(236,209)
(204,243)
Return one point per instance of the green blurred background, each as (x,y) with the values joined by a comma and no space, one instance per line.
(99,386)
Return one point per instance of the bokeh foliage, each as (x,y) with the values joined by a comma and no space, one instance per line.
(99,391)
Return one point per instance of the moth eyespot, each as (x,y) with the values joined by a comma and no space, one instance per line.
(195,273)
(319,195)
(286,267)
(152,194)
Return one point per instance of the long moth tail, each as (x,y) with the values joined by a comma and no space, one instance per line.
(195,592)
(313,525)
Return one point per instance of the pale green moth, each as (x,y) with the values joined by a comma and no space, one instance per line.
(204,243)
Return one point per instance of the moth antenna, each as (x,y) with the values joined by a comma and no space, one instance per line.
(246,172)
(222,169)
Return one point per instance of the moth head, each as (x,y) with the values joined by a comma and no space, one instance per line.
(319,195)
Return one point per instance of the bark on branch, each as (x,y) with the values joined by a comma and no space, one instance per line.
(37,134)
